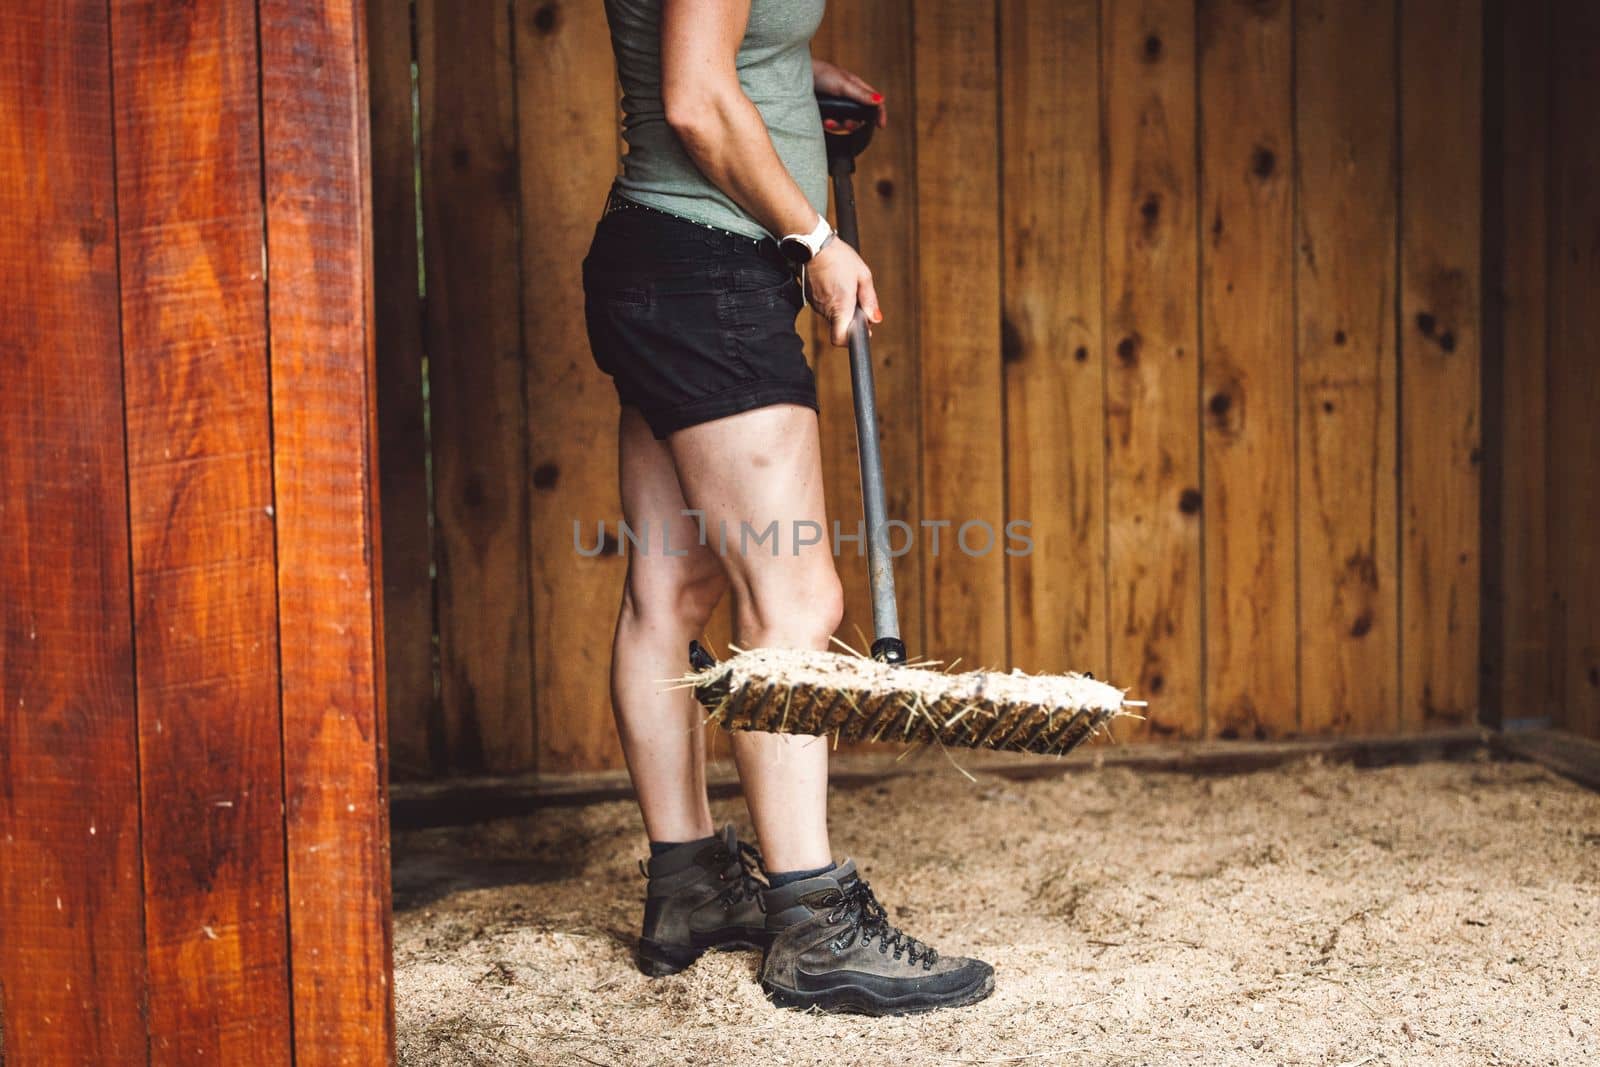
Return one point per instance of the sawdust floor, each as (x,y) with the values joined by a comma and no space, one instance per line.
(1439,914)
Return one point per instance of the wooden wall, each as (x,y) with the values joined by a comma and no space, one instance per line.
(1542,649)
(1192,287)
(193,830)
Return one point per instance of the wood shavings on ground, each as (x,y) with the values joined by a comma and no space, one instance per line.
(1442,914)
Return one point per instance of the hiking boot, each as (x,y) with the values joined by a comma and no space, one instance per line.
(833,949)
(702,895)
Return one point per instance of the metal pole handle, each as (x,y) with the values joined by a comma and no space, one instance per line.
(887,645)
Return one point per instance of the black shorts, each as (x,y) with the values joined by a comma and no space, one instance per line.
(692,323)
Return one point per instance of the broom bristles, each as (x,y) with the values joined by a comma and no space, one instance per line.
(855,698)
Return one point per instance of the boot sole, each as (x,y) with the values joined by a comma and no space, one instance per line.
(858,1000)
(659,961)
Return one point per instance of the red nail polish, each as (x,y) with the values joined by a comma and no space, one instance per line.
(877,98)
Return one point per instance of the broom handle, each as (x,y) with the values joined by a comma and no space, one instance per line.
(886,645)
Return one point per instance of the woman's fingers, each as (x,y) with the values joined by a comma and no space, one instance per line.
(839,317)
(861,91)
(867,298)
(858,89)
(840,82)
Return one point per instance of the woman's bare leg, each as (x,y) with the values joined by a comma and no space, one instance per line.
(750,470)
(666,602)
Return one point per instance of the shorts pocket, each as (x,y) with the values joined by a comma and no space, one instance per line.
(739,308)
(759,277)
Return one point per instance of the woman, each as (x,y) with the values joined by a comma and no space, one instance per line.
(692,292)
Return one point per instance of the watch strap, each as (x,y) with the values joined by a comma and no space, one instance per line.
(817,239)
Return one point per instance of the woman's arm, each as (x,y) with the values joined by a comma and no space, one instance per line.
(725,136)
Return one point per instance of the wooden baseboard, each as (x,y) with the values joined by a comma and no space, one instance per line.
(453,802)
(1567,754)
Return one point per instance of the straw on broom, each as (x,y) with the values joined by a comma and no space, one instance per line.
(857,698)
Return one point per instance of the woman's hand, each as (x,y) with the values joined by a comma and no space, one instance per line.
(836,81)
(840,282)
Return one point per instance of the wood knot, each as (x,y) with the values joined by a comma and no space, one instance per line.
(1189,501)
(1362,626)
(1012,347)
(1081,354)
(547,18)
(1220,403)
(1150,209)
(885,188)
(544,476)
(1128,349)
(1263,162)
(1152,48)
(1339,338)
(1426,323)
(93,232)
(1363,568)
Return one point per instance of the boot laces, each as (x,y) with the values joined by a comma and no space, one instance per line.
(748,883)
(869,919)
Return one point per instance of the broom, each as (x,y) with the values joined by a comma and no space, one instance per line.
(857,698)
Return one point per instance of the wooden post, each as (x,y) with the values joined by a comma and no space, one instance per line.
(194,864)
(72,957)
(319,245)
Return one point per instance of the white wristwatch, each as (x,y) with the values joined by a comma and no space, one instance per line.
(801,248)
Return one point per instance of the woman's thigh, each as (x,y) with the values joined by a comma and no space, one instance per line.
(668,568)
(756,477)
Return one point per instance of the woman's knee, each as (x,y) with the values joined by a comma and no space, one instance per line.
(680,597)
(801,610)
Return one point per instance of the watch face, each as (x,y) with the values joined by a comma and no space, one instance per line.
(795,250)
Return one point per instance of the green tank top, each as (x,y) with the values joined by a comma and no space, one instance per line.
(774,64)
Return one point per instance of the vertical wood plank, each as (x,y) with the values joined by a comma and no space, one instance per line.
(1523,591)
(963,466)
(1345,289)
(201,500)
(1153,458)
(72,964)
(319,217)
(568,148)
(470,193)
(416,729)
(874,40)
(1574,440)
(1247,322)
(1440,426)
(1052,343)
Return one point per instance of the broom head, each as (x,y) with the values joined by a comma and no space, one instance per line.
(854,698)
